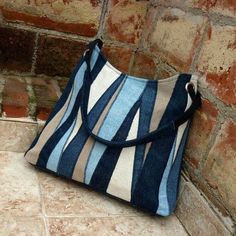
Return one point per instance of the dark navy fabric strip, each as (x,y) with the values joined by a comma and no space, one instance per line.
(174,176)
(106,165)
(146,110)
(178,101)
(146,192)
(70,155)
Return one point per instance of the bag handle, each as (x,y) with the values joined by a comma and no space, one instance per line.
(196,103)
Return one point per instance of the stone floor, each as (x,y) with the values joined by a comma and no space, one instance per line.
(37,203)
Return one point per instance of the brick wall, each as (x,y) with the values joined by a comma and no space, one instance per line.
(153,39)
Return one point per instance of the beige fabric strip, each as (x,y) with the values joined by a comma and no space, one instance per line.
(121,179)
(79,170)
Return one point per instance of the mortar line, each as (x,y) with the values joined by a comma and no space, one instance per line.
(158,13)
(2,85)
(34,57)
(32,104)
(102,19)
(15,73)
(63,35)
(215,17)
(131,62)
(145,48)
(27,74)
(211,143)
(50,32)
(141,40)
(199,49)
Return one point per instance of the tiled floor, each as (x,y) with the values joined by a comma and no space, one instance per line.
(37,203)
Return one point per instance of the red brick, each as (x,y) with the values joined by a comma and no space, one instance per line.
(15,98)
(79,17)
(220,168)
(125,20)
(56,56)
(175,37)
(203,124)
(16,49)
(225,7)
(144,66)
(119,57)
(218,62)
(46,97)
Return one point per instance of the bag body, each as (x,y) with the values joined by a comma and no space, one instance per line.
(119,134)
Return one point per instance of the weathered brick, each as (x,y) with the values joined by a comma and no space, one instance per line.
(218,61)
(46,97)
(175,37)
(57,56)
(119,57)
(16,49)
(203,124)
(125,20)
(224,7)
(196,215)
(15,98)
(144,65)
(227,7)
(168,2)
(80,17)
(220,168)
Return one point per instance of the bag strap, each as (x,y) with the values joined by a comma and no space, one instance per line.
(196,103)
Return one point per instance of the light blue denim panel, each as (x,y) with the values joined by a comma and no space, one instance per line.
(57,151)
(163,207)
(127,97)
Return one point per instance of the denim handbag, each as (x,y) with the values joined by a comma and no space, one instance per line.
(119,134)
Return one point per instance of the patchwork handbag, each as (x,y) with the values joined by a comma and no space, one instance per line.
(119,134)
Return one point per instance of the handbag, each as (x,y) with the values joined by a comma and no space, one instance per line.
(119,134)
